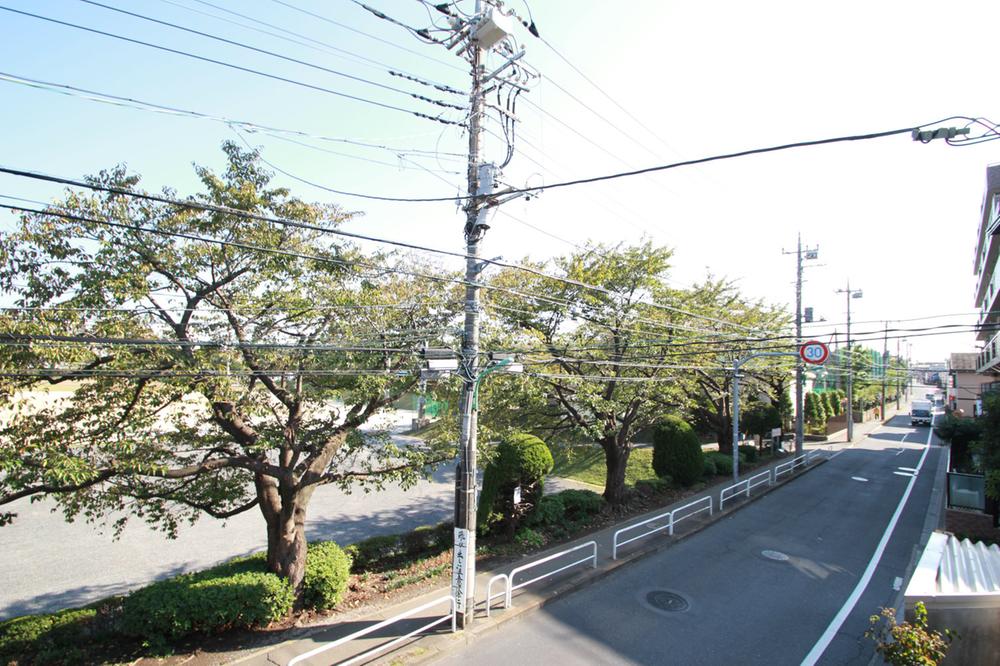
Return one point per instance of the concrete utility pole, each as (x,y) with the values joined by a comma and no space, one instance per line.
(851,293)
(811,253)
(464,555)
(885,365)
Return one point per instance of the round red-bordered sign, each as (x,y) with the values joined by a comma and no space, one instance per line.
(814,351)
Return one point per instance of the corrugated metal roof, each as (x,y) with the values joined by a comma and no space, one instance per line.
(953,568)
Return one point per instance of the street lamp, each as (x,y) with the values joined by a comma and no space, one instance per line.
(851,293)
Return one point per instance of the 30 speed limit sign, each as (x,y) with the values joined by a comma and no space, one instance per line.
(814,351)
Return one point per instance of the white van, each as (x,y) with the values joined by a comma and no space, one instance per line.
(921,412)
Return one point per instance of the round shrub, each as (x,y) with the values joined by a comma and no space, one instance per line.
(677,452)
(749,453)
(327,569)
(239,593)
(521,460)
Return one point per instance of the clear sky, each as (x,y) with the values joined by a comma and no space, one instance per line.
(674,81)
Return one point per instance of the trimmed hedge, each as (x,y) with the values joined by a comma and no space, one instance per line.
(550,510)
(327,569)
(677,451)
(54,637)
(238,593)
(580,503)
(379,552)
(654,486)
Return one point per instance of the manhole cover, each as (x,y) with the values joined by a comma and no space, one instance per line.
(667,601)
(774,555)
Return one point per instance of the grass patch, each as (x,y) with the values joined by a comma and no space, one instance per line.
(586,464)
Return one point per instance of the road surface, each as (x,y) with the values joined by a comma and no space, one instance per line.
(734,603)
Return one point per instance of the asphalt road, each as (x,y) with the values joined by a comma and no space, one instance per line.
(742,606)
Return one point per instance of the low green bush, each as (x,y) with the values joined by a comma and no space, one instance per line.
(749,453)
(654,486)
(550,511)
(327,570)
(367,553)
(529,538)
(580,503)
(708,466)
(444,536)
(54,637)
(723,462)
(419,541)
(239,593)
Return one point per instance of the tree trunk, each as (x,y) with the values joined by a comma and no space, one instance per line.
(284,511)
(615,458)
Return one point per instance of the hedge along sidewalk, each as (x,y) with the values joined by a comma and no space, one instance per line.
(431,645)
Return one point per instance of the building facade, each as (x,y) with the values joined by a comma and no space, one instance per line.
(987,277)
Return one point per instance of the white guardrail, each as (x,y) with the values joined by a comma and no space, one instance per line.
(744,487)
(375,627)
(671,521)
(508,579)
(788,467)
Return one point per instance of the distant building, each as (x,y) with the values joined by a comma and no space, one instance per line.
(964,383)
(987,298)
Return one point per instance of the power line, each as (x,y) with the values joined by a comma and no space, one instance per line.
(368,35)
(234,66)
(140,105)
(286,222)
(273,54)
(311,43)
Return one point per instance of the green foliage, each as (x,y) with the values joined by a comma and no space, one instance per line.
(909,643)
(549,510)
(119,439)
(239,593)
(520,460)
(677,451)
(962,434)
(655,486)
(55,637)
(580,503)
(587,464)
(760,419)
(723,461)
(748,453)
(529,538)
(815,415)
(993,484)
(327,570)
(379,553)
(829,406)
(708,468)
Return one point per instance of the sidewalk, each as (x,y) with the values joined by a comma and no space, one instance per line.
(430,644)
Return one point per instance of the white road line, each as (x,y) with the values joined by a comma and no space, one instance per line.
(824,641)
(903,474)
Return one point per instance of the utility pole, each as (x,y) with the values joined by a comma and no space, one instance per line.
(480,33)
(851,293)
(811,253)
(885,365)
(899,389)
(464,554)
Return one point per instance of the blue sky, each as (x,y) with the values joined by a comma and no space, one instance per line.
(675,80)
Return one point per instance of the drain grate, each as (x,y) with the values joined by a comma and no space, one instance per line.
(665,600)
(774,555)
